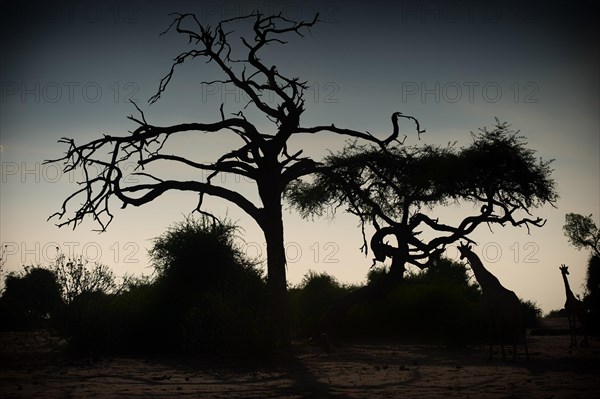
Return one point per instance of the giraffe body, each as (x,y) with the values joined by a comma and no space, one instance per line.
(502,306)
(575,309)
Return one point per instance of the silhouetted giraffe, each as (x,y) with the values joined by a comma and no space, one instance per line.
(502,307)
(575,309)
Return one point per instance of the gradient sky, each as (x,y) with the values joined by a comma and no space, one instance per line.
(70,68)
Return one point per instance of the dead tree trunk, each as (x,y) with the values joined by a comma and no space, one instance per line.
(272,226)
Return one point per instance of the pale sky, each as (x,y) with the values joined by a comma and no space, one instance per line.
(69,70)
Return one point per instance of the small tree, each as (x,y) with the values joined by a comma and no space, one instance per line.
(582,232)
(78,275)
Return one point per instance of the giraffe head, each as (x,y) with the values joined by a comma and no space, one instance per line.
(463,249)
(564,269)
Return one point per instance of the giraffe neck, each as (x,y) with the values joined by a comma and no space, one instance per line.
(567,288)
(485,279)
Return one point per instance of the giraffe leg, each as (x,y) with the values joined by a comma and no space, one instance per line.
(572,331)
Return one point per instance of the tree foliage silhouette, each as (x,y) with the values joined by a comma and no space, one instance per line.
(29,298)
(264,158)
(78,275)
(208,288)
(592,295)
(582,232)
(199,255)
(396,189)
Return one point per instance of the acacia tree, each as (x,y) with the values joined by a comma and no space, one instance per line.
(263,158)
(397,189)
(582,232)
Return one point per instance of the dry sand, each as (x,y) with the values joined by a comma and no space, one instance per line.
(35,366)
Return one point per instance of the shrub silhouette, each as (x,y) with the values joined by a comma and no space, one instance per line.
(438,305)
(78,275)
(213,297)
(532,313)
(206,297)
(89,323)
(310,299)
(30,300)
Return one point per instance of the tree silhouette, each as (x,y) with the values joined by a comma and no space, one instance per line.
(32,297)
(592,295)
(263,158)
(78,275)
(205,301)
(582,232)
(396,189)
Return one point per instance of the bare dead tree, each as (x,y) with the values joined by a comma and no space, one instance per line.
(262,158)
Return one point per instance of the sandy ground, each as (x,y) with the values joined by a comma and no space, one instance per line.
(35,366)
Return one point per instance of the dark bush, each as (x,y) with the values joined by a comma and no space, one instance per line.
(213,298)
(592,297)
(30,300)
(419,311)
(532,314)
(88,323)
(206,297)
(437,305)
(125,322)
(310,299)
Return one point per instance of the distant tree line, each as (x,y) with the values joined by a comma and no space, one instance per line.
(207,296)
